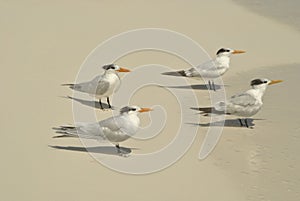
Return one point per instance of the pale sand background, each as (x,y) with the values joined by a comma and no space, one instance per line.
(284,11)
(43,45)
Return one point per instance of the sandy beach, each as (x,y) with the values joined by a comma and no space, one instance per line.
(44,45)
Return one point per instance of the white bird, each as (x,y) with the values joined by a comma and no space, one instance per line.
(114,129)
(211,69)
(244,104)
(103,85)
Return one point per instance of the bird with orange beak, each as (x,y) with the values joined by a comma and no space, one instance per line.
(115,129)
(102,86)
(244,104)
(210,69)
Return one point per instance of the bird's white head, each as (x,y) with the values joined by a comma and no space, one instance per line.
(114,68)
(227,52)
(134,110)
(262,83)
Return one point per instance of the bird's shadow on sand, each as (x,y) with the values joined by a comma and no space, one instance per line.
(197,87)
(93,104)
(194,86)
(107,150)
(234,123)
(195,108)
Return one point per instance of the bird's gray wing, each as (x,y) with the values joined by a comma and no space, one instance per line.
(238,100)
(112,123)
(117,129)
(89,87)
(202,68)
(207,66)
(102,87)
(120,125)
(243,99)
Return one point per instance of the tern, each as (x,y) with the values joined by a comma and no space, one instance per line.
(211,69)
(244,104)
(103,85)
(115,129)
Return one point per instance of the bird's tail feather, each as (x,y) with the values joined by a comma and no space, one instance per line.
(72,131)
(67,127)
(66,130)
(206,110)
(63,135)
(176,73)
(210,110)
(69,85)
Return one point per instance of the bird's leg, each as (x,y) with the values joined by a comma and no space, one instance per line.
(101,106)
(118,148)
(120,152)
(213,85)
(209,84)
(241,122)
(107,99)
(246,123)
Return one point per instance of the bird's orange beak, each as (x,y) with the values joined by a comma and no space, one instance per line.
(275,81)
(238,51)
(124,70)
(145,110)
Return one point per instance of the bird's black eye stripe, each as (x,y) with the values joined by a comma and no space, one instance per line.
(258,82)
(109,66)
(133,109)
(222,50)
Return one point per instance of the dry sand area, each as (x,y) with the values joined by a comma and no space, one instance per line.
(43,44)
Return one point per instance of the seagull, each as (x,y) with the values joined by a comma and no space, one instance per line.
(244,104)
(114,129)
(103,85)
(210,69)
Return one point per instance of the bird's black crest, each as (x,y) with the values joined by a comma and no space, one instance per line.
(108,66)
(222,50)
(257,82)
(127,109)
